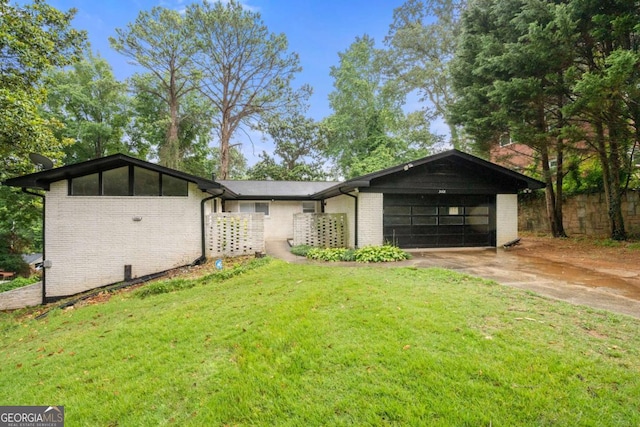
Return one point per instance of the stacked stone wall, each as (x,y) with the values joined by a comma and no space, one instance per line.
(583,214)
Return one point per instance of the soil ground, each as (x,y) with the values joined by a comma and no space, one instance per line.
(618,260)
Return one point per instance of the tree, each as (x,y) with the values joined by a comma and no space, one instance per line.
(511,76)
(33,37)
(298,141)
(604,105)
(92,105)
(162,41)
(420,44)
(364,132)
(151,119)
(246,71)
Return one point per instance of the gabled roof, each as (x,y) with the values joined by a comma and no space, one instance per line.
(274,190)
(43,179)
(518,180)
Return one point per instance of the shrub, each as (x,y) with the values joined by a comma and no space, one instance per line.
(301,250)
(385,253)
(15,263)
(19,282)
(328,254)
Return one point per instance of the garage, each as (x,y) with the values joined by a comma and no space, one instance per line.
(429,221)
(447,200)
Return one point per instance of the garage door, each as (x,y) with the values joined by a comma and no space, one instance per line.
(434,221)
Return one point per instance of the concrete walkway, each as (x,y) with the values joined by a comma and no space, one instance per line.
(549,278)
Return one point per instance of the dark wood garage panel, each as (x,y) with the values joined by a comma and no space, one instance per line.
(439,221)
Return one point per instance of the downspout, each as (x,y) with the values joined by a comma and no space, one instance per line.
(44,269)
(203,255)
(355,231)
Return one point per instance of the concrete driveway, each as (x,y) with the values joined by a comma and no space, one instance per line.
(598,289)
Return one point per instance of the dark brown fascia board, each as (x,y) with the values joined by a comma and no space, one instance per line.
(365,180)
(42,179)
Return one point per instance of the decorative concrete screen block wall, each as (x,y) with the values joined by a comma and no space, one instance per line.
(344,204)
(321,230)
(234,234)
(506,218)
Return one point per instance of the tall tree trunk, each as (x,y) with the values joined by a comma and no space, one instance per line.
(618,231)
(611,191)
(557,230)
(559,192)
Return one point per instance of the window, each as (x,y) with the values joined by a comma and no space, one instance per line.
(505,139)
(308,207)
(172,186)
(145,182)
(88,185)
(255,207)
(115,182)
(128,181)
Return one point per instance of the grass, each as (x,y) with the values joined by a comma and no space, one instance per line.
(287,344)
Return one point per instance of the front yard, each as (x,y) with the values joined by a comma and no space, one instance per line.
(289,344)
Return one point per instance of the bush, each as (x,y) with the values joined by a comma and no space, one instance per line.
(14,263)
(301,250)
(386,253)
(19,282)
(328,254)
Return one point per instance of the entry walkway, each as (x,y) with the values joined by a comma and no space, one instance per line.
(548,278)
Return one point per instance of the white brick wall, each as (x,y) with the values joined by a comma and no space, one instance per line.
(370,219)
(506,218)
(90,239)
(344,204)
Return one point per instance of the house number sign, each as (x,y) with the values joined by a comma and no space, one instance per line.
(442,191)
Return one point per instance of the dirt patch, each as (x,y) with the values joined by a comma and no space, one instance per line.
(593,262)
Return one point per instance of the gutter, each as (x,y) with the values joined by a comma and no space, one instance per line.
(203,256)
(44,245)
(355,231)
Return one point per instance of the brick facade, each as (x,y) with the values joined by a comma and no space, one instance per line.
(370,212)
(89,240)
(506,218)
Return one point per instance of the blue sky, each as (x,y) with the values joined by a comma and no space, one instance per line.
(316,29)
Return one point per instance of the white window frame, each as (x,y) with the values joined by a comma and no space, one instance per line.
(505,139)
(250,207)
(309,206)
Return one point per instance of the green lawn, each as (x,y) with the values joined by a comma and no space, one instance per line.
(309,345)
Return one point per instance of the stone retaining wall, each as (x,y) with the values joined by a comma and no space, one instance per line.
(26,296)
(584,214)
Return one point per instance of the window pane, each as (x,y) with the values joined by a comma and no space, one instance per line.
(146,182)
(477,220)
(247,207)
(115,182)
(88,185)
(172,186)
(397,210)
(308,207)
(425,210)
(452,220)
(477,210)
(262,207)
(397,220)
(425,220)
